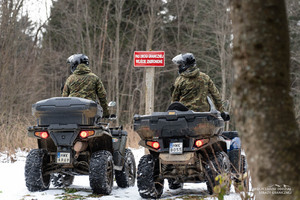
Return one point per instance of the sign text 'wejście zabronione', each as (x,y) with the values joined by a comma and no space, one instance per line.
(149,58)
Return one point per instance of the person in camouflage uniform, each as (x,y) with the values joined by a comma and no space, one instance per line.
(192,87)
(83,83)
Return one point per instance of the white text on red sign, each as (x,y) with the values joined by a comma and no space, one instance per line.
(149,58)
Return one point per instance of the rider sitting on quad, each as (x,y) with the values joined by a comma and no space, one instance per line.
(192,87)
(82,82)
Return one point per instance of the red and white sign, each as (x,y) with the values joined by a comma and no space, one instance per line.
(149,58)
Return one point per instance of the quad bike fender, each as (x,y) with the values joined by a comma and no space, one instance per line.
(101,141)
(143,143)
(186,158)
(33,129)
(119,138)
(217,143)
(100,133)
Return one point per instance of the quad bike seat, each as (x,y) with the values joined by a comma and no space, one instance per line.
(177,106)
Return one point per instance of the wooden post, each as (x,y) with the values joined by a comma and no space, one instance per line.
(149,97)
(150,60)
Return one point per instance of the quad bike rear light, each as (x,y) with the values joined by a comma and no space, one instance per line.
(85,134)
(42,134)
(153,144)
(199,143)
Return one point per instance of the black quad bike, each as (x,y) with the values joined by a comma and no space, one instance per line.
(72,141)
(185,147)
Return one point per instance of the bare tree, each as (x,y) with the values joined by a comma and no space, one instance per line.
(118,16)
(18,74)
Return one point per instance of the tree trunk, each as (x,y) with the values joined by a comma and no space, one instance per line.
(263,107)
(119,10)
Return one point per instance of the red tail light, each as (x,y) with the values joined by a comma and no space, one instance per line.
(42,134)
(199,143)
(85,134)
(154,144)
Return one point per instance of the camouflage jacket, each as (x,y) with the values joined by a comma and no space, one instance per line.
(192,87)
(85,84)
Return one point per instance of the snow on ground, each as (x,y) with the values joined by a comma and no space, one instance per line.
(12,185)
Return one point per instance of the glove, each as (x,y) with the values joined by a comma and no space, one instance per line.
(225,116)
(112,116)
(105,116)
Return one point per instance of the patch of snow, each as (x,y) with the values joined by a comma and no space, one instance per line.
(6,157)
(12,184)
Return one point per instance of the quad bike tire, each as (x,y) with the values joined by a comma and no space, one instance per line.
(148,182)
(245,180)
(236,159)
(101,172)
(173,185)
(241,179)
(126,177)
(61,180)
(35,178)
(217,165)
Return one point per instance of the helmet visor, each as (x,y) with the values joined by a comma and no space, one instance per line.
(178,60)
(70,59)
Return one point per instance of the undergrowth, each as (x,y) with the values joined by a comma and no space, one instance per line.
(14,134)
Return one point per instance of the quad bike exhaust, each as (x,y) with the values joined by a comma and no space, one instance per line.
(79,147)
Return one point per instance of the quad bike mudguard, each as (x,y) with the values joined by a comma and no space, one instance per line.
(119,138)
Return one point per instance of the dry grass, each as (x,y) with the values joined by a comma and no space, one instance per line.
(133,138)
(14,134)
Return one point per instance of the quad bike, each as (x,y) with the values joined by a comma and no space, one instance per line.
(72,141)
(185,147)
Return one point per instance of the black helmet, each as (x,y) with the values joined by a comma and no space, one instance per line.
(77,59)
(184,61)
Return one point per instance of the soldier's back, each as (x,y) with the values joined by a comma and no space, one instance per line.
(83,86)
(194,91)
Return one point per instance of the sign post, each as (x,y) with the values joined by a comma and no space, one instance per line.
(149,59)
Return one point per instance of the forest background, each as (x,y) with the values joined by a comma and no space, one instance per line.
(33,60)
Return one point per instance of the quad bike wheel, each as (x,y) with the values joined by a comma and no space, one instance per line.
(217,164)
(148,181)
(61,180)
(126,177)
(35,177)
(101,172)
(240,179)
(174,185)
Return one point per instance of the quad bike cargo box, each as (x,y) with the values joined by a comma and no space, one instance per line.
(174,123)
(66,110)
